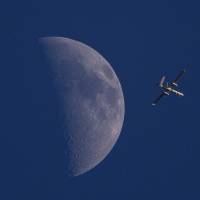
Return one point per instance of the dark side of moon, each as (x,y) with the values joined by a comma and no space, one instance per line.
(90,98)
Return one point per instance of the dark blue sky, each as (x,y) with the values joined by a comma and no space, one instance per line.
(157,154)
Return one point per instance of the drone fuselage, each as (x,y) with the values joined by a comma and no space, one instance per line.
(169,89)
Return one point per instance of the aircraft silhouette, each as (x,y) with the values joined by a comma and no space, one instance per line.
(169,88)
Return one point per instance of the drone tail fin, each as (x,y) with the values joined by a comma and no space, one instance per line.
(162,80)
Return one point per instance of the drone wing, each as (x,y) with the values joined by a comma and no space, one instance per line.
(158,99)
(178,77)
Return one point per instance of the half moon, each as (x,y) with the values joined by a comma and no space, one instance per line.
(90,98)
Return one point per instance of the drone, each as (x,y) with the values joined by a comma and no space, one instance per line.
(169,88)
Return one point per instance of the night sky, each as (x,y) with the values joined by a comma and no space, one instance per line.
(157,154)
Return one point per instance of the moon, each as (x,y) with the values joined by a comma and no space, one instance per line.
(90,98)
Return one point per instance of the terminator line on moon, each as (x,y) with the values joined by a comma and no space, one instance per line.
(91,99)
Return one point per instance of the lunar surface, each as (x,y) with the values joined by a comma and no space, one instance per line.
(90,98)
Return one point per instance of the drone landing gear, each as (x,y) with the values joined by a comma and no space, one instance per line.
(166,93)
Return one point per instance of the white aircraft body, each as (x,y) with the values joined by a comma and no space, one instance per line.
(169,88)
